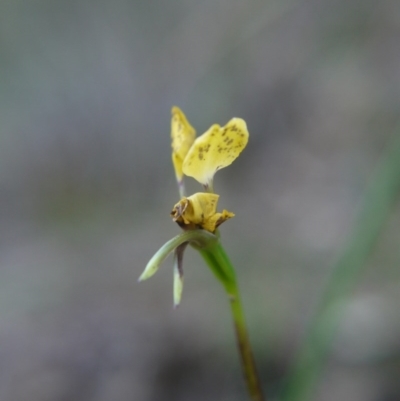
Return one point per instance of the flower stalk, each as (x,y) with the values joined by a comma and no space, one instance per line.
(219,263)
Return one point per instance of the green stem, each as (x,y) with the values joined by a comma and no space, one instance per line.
(379,200)
(221,266)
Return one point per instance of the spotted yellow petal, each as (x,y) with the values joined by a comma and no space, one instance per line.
(199,211)
(215,149)
(182,135)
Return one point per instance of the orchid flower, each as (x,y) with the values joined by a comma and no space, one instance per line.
(199,219)
(199,158)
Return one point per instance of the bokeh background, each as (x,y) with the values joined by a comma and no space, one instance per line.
(86,187)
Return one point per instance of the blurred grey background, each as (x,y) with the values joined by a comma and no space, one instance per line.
(86,187)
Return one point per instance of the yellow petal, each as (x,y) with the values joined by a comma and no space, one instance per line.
(182,135)
(199,211)
(216,220)
(215,149)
